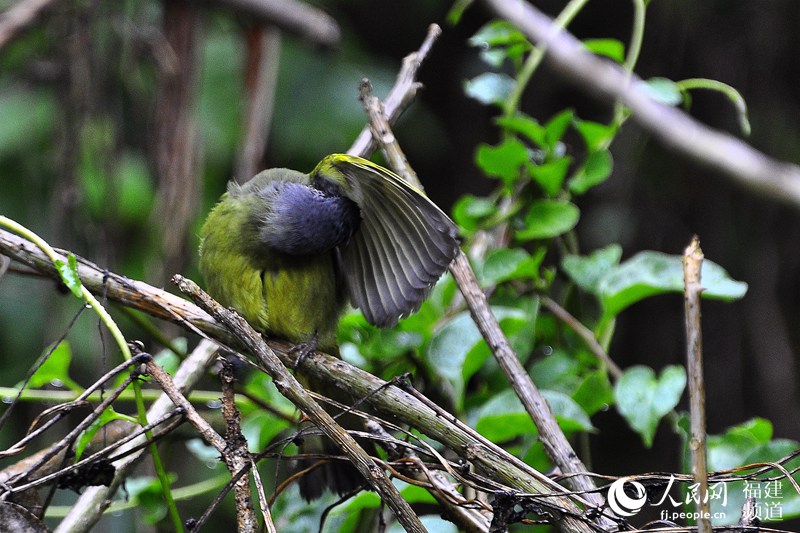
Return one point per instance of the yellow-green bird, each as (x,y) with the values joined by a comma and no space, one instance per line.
(289,250)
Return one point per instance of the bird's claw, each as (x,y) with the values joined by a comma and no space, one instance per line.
(303,350)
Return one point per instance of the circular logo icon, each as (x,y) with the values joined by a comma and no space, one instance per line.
(620,502)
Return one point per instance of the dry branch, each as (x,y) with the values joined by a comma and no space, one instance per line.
(236,454)
(261,77)
(692,267)
(292,16)
(401,94)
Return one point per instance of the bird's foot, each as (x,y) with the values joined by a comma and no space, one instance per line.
(303,350)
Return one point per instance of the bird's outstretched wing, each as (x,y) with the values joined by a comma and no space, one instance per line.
(403,245)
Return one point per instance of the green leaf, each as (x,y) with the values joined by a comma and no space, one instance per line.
(505,264)
(732,448)
(499,40)
(595,134)
(594,393)
(642,399)
(152,501)
(550,175)
(55,370)
(587,271)
(449,347)
(497,33)
(494,57)
(548,218)
(457,351)
(649,273)
(570,415)
(611,48)
(260,427)
(456,11)
(556,127)
(490,88)
(469,211)
(662,90)
(502,161)
(594,171)
(167,359)
(557,371)
(503,417)
(105,417)
(748,443)
(526,126)
(69,274)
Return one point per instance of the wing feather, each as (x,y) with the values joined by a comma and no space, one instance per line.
(403,245)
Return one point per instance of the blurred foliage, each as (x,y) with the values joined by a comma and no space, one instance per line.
(77,96)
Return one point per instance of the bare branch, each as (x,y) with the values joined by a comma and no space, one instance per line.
(19,17)
(584,333)
(692,266)
(383,135)
(295,17)
(235,454)
(263,56)
(401,94)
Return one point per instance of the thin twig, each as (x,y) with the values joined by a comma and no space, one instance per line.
(94,500)
(166,384)
(586,335)
(109,450)
(66,441)
(383,135)
(692,265)
(80,400)
(293,16)
(401,94)
(444,490)
(39,362)
(269,525)
(568,56)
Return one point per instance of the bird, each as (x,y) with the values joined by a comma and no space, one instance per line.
(289,250)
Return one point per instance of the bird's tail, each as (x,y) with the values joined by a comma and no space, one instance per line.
(336,475)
